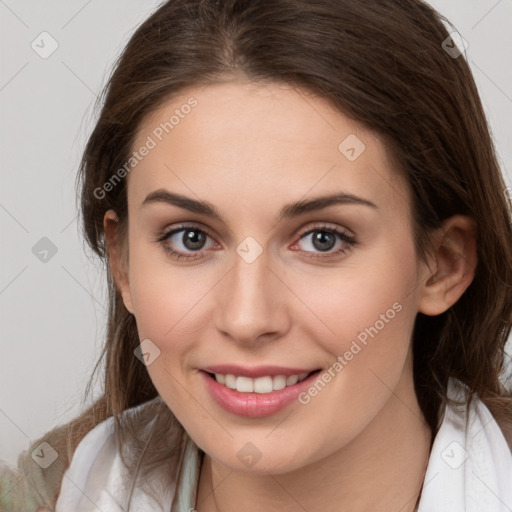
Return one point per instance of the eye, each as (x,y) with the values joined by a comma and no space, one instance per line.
(186,238)
(324,239)
(192,238)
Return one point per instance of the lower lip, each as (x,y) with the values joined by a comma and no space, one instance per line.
(255,405)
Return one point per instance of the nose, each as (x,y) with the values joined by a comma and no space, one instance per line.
(251,303)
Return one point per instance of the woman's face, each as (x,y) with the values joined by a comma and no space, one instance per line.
(262,289)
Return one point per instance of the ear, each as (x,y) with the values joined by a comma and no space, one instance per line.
(118,257)
(454,264)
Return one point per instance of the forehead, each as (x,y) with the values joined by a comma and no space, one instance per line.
(247,141)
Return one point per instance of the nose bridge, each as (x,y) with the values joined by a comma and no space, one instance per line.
(250,306)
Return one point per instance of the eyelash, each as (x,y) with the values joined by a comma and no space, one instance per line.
(341,235)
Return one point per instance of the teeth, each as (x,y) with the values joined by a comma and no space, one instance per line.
(245,384)
(261,384)
(230,381)
(279,382)
(291,380)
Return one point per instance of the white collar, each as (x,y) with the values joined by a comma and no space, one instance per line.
(470,465)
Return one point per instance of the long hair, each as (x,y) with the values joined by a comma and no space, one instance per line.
(383,63)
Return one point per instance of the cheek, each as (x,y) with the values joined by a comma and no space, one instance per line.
(170,305)
(163,294)
(363,318)
(168,310)
(371,298)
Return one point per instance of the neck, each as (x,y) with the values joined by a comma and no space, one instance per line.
(381,469)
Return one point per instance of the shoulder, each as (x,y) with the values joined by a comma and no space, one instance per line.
(34,483)
(143,476)
(53,470)
(470,465)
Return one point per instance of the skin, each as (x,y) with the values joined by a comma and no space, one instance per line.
(250,148)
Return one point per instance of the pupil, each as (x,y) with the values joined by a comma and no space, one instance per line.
(323,241)
(193,239)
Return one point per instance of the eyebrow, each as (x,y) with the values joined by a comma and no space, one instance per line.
(289,211)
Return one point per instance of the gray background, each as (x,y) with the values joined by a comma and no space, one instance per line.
(52,313)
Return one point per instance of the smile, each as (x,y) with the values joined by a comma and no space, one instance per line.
(255,392)
(266,384)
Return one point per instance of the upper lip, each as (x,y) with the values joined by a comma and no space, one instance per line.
(256,371)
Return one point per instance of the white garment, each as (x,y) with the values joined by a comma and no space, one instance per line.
(469,469)
(96,478)
(470,466)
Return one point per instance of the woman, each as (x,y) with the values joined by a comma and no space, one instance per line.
(309,256)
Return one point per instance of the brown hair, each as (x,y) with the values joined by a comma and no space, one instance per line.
(380,62)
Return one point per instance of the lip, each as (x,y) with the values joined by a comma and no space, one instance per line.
(255,405)
(256,371)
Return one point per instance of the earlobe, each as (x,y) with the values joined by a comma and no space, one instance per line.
(117,257)
(454,270)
